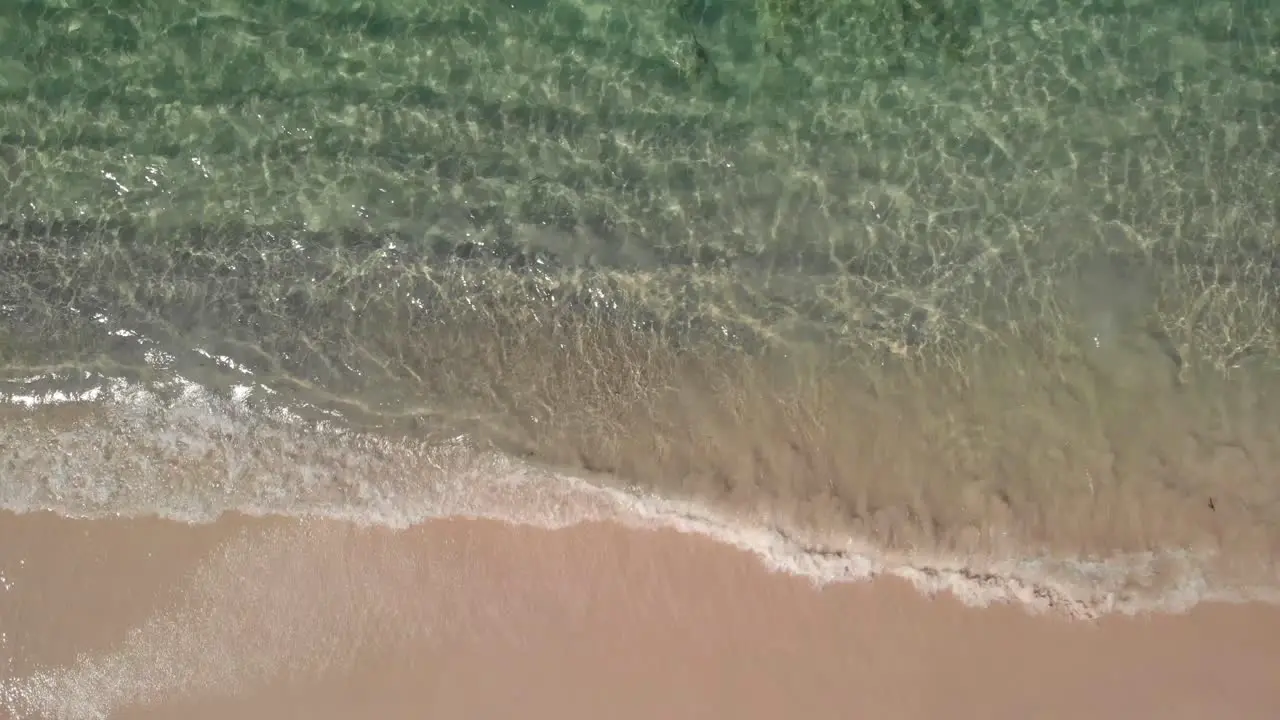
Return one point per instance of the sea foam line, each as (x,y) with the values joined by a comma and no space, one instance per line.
(399,484)
(195,650)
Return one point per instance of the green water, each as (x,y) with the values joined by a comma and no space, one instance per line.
(916,162)
(1030,246)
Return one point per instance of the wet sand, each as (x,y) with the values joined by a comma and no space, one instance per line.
(1000,318)
(475,619)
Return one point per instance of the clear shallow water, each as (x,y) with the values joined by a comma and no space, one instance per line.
(988,297)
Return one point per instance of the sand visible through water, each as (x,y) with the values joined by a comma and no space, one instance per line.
(978,299)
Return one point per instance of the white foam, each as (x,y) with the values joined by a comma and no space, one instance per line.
(261,606)
(273,464)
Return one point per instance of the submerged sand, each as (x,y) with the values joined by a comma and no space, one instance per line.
(477,619)
(989,308)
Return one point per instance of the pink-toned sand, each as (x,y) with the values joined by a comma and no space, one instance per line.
(471,619)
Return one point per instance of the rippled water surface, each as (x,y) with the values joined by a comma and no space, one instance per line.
(979,288)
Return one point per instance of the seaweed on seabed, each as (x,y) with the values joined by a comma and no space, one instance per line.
(782,25)
(949,22)
(781,20)
(695,14)
(952,21)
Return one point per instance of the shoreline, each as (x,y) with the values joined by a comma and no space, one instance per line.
(474,618)
(130,455)
(383,483)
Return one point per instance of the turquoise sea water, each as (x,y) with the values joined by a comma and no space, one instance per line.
(989,287)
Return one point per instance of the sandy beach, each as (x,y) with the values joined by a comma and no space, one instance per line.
(475,619)
(476,359)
